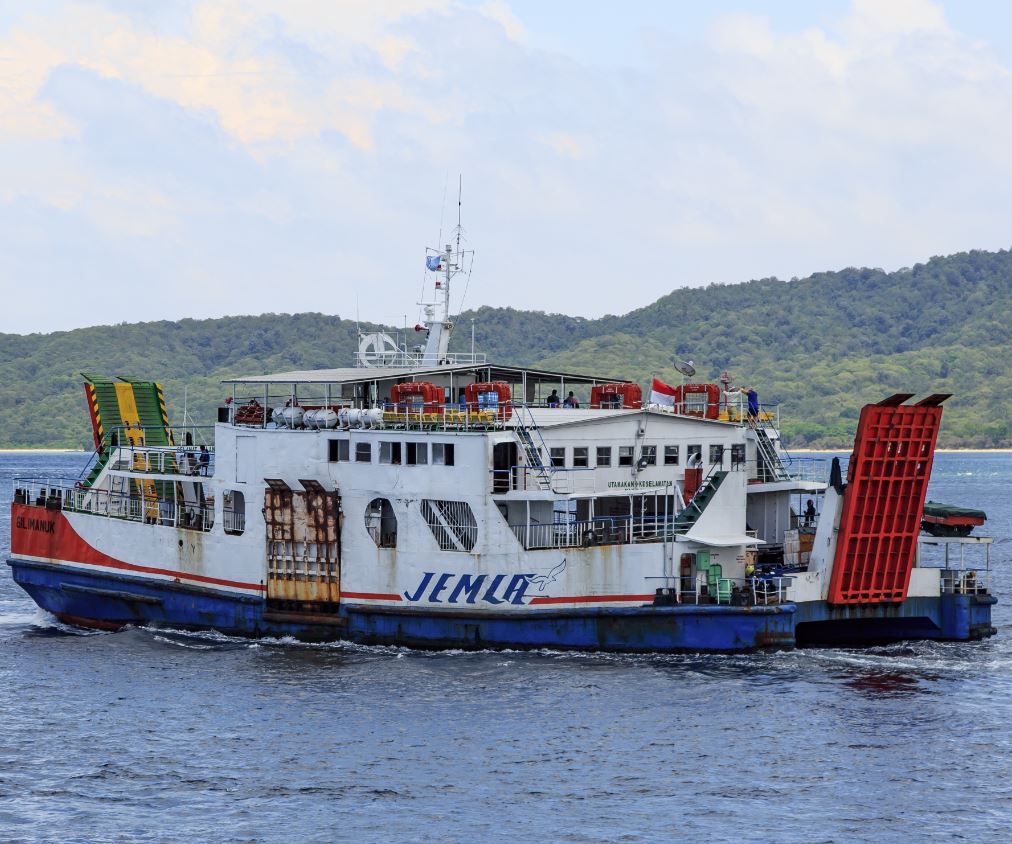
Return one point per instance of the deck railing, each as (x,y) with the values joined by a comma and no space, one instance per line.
(602,530)
(406,359)
(809,468)
(957,575)
(183,436)
(965,582)
(757,590)
(233,521)
(163,460)
(61,494)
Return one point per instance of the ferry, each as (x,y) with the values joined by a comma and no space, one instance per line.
(434,499)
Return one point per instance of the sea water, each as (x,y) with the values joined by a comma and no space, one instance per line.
(164,736)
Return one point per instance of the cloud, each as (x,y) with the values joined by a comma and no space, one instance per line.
(567,145)
(249,156)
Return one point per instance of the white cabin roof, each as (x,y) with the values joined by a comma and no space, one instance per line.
(366,375)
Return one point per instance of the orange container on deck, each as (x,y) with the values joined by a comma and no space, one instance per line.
(616,395)
(417,395)
(701,400)
(478,398)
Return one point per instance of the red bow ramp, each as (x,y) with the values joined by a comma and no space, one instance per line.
(887,481)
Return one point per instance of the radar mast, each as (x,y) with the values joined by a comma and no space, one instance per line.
(377,349)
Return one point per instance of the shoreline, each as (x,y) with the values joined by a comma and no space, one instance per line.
(43,451)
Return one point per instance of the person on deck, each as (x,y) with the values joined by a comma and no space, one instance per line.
(753,403)
(204,459)
(571,400)
(810,513)
(553,399)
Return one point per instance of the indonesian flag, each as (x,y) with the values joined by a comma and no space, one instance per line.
(662,394)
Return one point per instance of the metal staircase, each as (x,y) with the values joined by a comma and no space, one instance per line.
(771,467)
(100,458)
(533,451)
(690,514)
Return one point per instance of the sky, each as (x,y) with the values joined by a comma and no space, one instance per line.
(162,159)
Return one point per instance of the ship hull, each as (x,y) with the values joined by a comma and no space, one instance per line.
(107,601)
(945,617)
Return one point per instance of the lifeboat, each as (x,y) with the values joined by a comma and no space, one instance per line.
(422,397)
(702,400)
(489,397)
(616,395)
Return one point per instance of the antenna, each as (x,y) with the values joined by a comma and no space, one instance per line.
(448,260)
(460,190)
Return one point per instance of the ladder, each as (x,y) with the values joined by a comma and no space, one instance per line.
(533,451)
(771,467)
(690,514)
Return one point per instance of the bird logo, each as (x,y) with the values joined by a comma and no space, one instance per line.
(543,580)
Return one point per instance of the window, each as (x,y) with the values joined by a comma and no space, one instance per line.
(671,455)
(558,454)
(604,455)
(381,523)
(581,457)
(417,454)
(390,452)
(717,455)
(234,512)
(363,452)
(648,455)
(694,455)
(452,523)
(737,455)
(338,450)
(442,454)
(625,455)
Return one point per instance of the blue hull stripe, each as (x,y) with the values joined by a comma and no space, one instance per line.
(112,600)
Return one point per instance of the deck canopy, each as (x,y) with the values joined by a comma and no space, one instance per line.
(464,372)
(371,386)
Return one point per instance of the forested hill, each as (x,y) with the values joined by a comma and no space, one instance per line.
(822,345)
